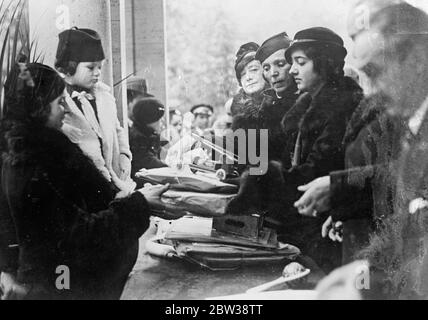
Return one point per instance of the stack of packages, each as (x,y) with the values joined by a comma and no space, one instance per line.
(205,236)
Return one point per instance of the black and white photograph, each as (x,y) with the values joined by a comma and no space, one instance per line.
(213,154)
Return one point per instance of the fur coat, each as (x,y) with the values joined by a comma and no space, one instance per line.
(102,141)
(321,124)
(245,110)
(62,211)
(362,194)
(398,252)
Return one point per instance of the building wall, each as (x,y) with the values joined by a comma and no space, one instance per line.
(49,17)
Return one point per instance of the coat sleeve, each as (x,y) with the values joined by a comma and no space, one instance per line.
(367,160)
(325,156)
(119,225)
(123,140)
(112,225)
(345,183)
(352,196)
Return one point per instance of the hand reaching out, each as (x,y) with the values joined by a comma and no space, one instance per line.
(316,197)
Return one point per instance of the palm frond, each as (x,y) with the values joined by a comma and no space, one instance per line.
(17,27)
(15,39)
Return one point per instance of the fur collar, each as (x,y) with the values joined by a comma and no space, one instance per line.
(332,100)
(28,144)
(248,105)
(50,150)
(369,109)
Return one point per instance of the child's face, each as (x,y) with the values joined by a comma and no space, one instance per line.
(87,74)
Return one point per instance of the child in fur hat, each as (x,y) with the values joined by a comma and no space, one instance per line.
(92,122)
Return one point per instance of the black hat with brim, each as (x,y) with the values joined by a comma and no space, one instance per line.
(318,36)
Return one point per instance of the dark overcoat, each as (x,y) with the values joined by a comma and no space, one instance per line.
(363,193)
(61,211)
(398,251)
(320,122)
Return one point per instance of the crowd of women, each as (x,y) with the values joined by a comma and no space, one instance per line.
(346,174)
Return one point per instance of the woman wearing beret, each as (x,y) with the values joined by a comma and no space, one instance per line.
(144,137)
(59,214)
(282,94)
(246,104)
(316,124)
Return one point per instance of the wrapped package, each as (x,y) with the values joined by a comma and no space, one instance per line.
(186,180)
(202,204)
(218,257)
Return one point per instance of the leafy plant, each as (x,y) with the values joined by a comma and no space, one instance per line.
(15,40)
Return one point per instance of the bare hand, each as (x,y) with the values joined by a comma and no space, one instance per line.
(316,197)
(12,289)
(125,167)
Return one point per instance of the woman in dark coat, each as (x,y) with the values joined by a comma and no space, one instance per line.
(57,208)
(315,127)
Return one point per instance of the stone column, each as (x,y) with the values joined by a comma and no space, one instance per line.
(146,43)
(118,42)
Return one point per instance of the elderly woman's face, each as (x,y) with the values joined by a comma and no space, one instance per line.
(303,72)
(252,80)
(57,113)
(276,71)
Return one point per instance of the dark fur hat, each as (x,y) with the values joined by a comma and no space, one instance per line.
(79,45)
